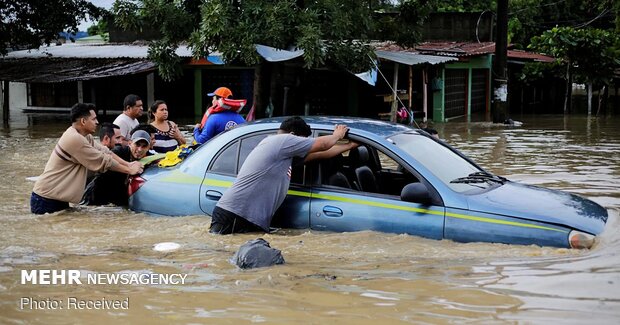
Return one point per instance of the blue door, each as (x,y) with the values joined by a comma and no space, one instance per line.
(360,190)
(294,212)
(223,170)
(342,210)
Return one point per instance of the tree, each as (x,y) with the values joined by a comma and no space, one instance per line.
(328,31)
(31,23)
(101,28)
(465,5)
(590,55)
(529,18)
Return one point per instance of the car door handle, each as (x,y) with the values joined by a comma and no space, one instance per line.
(213,195)
(332,211)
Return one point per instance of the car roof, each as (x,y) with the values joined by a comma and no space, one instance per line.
(380,128)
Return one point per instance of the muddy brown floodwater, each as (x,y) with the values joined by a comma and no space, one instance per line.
(348,278)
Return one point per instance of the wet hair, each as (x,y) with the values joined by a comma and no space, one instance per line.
(107,128)
(130,100)
(81,110)
(151,112)
(146,127)
(297,126)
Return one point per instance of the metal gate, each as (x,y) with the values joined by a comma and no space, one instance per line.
(479,89)
(456,92)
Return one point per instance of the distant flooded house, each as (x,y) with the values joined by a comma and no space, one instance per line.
(55,77)
(462,86)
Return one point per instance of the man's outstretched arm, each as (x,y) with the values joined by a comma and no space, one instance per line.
(332,152)
(327,141)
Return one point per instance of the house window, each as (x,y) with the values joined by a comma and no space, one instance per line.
(63,94)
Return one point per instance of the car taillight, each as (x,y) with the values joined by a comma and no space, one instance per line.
(135,182)
(578,239)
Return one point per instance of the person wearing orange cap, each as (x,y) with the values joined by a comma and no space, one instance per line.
(221,116)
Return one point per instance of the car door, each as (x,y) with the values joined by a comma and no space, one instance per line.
(221,173)
(219,176)
(223,170)
(295,210)
(335,208)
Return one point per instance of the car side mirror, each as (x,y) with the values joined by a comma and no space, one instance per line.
(416,193)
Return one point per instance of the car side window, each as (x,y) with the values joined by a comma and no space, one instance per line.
(365,169)
(388,163)
(298,170)
(226,161)
(247,145)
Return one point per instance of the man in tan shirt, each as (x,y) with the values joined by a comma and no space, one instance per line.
(76,153)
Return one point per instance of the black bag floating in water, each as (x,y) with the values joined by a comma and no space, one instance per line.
(257,253)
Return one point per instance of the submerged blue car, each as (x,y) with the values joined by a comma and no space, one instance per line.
(399,180)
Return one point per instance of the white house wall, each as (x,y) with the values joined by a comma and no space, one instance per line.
(18,96)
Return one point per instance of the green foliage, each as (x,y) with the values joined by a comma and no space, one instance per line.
(592,54)
(529,18)
(175,19)
(465,5)
(323,29)
(334,31)
(31,23)
(403,27)
(535,71)
(127,14)
(169,61)
(101,28)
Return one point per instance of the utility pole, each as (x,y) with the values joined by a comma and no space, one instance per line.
(500,79)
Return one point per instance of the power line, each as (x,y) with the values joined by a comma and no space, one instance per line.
(576,23)
(545,5)
(593,19)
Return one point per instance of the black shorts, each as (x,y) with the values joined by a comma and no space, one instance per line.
(225,222)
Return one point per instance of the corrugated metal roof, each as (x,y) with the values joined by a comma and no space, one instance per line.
(51,69)
(73,62)
(410,58)
(463,49)
(91,51)
(456,49)
(528,56)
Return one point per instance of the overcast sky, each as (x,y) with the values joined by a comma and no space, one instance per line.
(107,4)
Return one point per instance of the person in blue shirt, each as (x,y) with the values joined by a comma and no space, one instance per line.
(219,119)
(216,124)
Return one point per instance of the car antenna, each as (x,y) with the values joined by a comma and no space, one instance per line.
(393,91)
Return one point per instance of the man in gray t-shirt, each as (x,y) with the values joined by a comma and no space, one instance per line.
(263,181)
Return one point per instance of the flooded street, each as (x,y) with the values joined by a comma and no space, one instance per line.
(350,278)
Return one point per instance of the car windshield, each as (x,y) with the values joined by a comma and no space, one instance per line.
(441,161)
